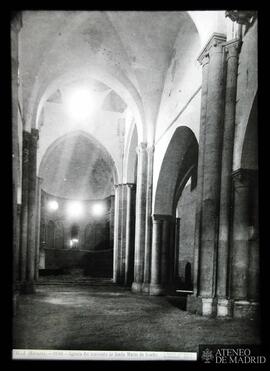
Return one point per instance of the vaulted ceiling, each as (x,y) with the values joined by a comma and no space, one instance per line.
(138,64)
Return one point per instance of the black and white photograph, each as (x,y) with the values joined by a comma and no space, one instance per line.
(135,185)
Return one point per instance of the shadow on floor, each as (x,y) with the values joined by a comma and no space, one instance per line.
(179,302)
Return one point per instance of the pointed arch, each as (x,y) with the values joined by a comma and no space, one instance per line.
(179,163)
(73,134)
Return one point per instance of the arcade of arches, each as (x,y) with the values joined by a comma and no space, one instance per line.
(157,188)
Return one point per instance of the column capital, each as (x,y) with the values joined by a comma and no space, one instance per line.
(26,135)
(156,220)
(131,185)
(151,149)
(214,44)
(26,145)
(232,48)
(142,147)
(244,177)
(245,17)
(35,134)
(162,217)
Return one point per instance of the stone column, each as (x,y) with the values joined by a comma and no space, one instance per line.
(204,60)
(208,180)
(254,250)
(38,198)
(165,252)
(232,49)
(32,211)
(242,180)
(122,235)
(211,177)
(140,217)
(18,234)
(112,220)
(156,287)
(148,222)
(176,248)
(240,235)
(116,232)
(43,239)
(172,254)
(16,25)
(130,229)
(161,264)
(24,206)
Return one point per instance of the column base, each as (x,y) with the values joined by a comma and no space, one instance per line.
(202,306)
(156,289)
(136,287)
(245,309)
(27,288)
(224,308)
(127,283)
(194,304)
(146,288)
(209,307)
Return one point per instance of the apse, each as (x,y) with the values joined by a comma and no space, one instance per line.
(76,167)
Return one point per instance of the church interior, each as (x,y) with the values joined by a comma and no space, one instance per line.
(135,179)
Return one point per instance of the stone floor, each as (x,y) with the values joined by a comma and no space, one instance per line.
(98,315)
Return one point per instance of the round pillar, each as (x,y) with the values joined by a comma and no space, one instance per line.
(204,60)
(148,223)
(130,221)
(165,252)
(38,197)
(254,250)
(232,51)
(116,232)
(241,218)
(32,210)
(24,205)
(176,248)
(155,284)
(212,170)
(140,217)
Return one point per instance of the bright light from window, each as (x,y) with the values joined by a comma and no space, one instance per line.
(74,209)
(53,205)
(80,103)
(98,209)
(74,241)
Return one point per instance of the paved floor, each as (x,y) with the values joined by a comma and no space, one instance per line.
(103,316)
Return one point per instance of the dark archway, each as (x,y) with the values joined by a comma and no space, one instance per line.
(179,163)
(178,166)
